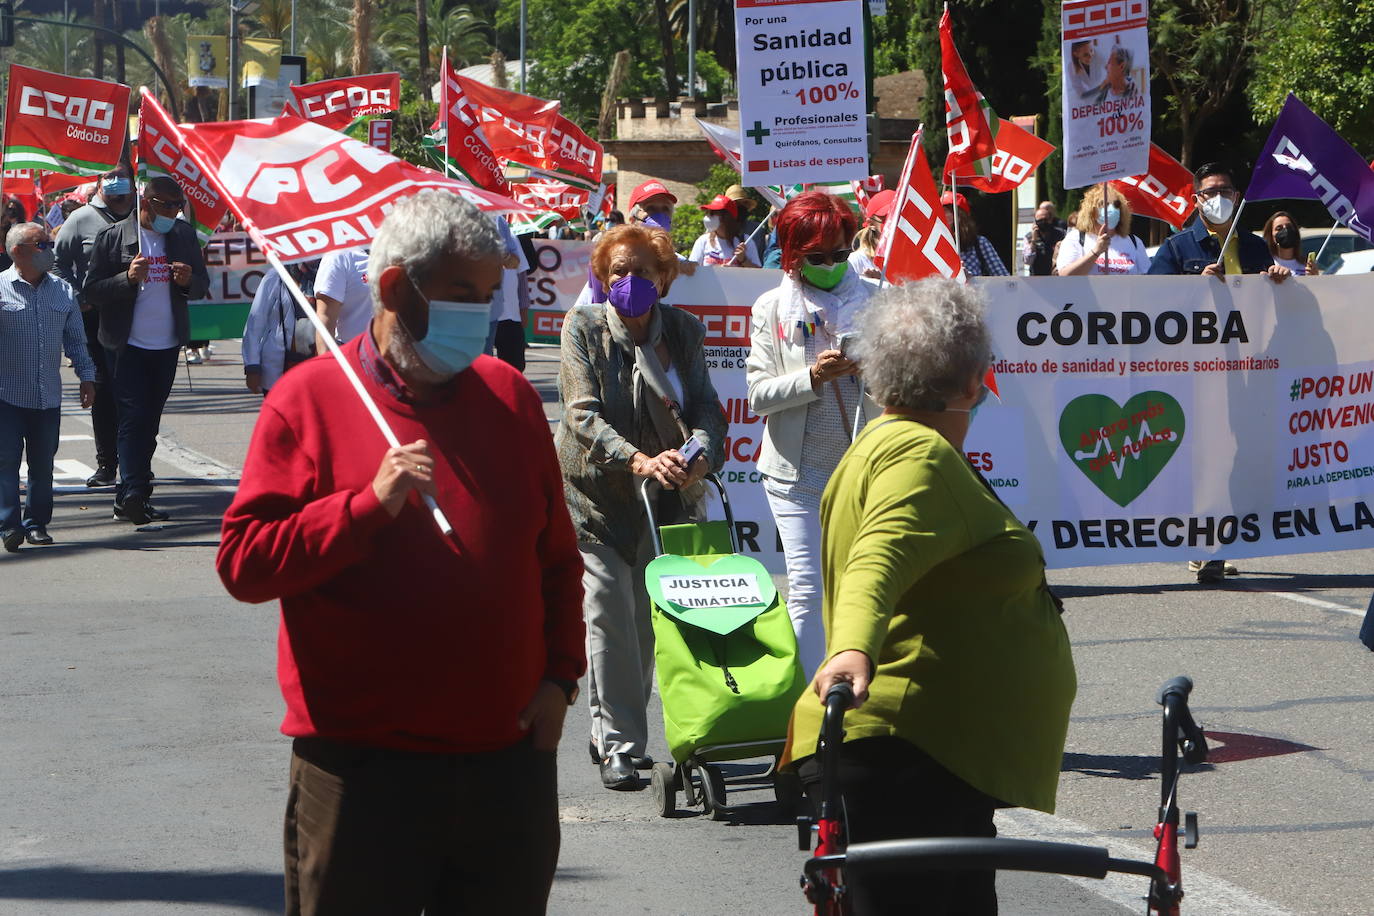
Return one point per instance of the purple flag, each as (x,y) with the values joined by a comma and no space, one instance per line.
(1305,159)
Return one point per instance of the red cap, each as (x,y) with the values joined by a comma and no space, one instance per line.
(721,202)
(950,199)
(880,204)
(651,188)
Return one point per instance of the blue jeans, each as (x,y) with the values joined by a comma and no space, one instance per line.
(33,431)
(142,379)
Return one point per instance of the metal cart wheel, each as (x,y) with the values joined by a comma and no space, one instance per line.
(665,791)
(713,784)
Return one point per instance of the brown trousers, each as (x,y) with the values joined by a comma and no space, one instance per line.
(378,832)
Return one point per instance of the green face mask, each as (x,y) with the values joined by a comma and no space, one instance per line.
(823,276)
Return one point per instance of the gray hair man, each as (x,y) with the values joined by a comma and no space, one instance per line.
(420,672)
(112,201)
(39,319)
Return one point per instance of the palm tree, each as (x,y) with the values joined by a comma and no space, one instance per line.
(273,18)
(42,46)
(362,36)
(467,36)
(326,42)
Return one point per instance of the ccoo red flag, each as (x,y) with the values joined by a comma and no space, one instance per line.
(968,117)
(915,241)
(552,196)
(1165,192)
(458,142)
(64,123)
(303,190)
(1019,154)
(159,153)
(338,103)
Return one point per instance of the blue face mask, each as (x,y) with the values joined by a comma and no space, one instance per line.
(116,186)
(163,224)
(663,221)
(457,333)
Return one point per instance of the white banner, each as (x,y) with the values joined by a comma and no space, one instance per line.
(1106,90)
(801,88)
(1177,418)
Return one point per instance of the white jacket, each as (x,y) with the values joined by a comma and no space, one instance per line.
(779,379)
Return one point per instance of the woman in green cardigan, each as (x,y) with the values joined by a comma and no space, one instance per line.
(936,611)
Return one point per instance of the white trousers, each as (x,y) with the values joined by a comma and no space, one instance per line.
(797,513)
(620,648)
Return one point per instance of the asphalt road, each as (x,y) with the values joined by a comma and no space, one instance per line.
(141,770)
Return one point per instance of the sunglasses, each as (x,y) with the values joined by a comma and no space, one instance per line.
(1213,192)
(45,245)
(170,206)
(818,258)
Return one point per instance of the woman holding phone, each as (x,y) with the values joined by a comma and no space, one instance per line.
(635,392)
(800,379)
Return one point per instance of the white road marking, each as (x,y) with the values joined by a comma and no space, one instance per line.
(1203,893)
(75,438)
(68,475)
(1308,600)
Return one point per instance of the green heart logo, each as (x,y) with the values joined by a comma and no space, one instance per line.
(716,593)
(1122,448)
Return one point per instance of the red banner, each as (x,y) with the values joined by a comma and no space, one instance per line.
(303,190)
(64,123)
(459,142)
(968,116)
(160,153)
(1165,192)
(531,132)
(1019,154)
(552,196)
(915,241)
(339,103)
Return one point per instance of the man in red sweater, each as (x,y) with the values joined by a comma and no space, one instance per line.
(426,677)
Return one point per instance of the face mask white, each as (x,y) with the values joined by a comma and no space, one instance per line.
(711,222)
(1111,218)
(1217,210)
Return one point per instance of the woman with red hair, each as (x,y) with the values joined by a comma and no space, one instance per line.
(800,379)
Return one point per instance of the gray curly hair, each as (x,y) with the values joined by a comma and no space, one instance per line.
(919,344)
(425,229)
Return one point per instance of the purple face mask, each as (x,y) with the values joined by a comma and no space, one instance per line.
(663,221)
(632,296)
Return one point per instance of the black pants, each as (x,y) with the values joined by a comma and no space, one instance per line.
(510,343)
(389,833)
(142,381)
(104,416)
(892,791)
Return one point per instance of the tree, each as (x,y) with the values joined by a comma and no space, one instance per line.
(464,32)
(573,45)
(1321,51)
(1201,52)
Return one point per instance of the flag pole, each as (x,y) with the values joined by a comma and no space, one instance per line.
(954,204)
(1321,251)
(1235,224)
(324,334)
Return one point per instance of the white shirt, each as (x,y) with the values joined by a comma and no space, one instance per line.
(1299,268)
(711,249)
(508,298)
(860,262)
(1125,255)
(343,277)
(152,327)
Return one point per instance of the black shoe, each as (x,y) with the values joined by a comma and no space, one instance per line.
(641,763)
(1212,572)
(156,515)
(104,477)
(133,509)
(12,539)
(38,537)
(618,772)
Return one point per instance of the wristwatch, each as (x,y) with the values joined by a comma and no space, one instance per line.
(569,688)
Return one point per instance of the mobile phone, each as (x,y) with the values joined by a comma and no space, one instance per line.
(691,449)
(846,342)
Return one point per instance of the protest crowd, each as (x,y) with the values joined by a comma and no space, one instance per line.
(398,432)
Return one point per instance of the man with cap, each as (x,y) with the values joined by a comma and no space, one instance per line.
(112,201)
(979,257)
(723,244)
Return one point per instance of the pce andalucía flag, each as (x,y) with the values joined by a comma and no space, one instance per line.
(64,124)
